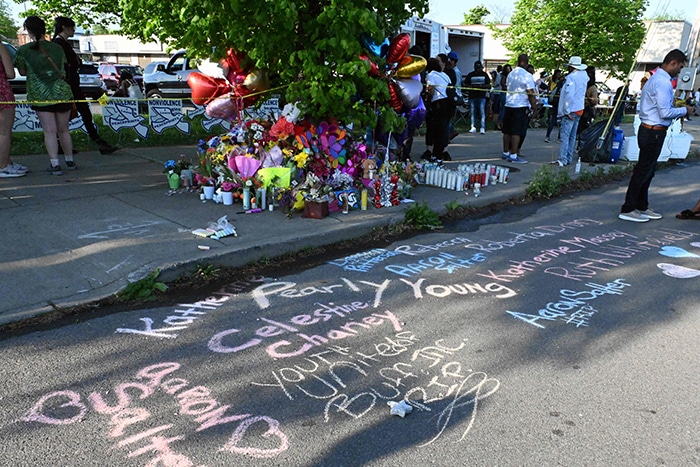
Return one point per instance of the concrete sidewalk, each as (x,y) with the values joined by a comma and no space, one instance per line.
(84,236)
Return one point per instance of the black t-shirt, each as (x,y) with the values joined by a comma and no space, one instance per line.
(477,79)
(72,62)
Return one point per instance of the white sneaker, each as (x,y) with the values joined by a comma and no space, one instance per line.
(650,214)
(19,167)
(11,172)
(473,130)
(482,131)
(634,216)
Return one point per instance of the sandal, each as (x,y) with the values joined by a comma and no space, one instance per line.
(688,214)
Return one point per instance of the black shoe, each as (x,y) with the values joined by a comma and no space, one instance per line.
(446,156)
(70,165)
(107,148)
(54,170)
(427,155)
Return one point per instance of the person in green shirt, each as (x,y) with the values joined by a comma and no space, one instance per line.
(43,62)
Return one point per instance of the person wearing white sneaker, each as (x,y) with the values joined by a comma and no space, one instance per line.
(472,130)
(7,114)
(519,102)
(656,111)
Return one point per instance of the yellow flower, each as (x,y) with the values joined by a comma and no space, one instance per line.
(301,158)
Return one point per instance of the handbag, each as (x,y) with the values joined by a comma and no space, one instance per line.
(74,108)
(135,91)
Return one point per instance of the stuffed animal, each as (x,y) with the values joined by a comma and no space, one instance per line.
(369,167)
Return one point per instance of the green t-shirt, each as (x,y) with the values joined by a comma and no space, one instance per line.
(45,85)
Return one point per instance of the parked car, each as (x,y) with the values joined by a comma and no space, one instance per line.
(19,83)
(172,81)
(153,67)
(91,82)
(110,73)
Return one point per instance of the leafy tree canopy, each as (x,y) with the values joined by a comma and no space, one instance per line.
(310,47)
(8,28)
(476,15)
(605,34)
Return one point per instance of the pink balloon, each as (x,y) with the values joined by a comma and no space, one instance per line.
(222,107)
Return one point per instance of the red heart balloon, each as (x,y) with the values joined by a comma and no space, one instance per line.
(234,60)
(205,88)
(373,68)
(394,98)
(398,48)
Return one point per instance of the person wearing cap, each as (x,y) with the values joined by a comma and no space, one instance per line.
(570,109)
(520,103)
(656,112)
(478,83)
(452,59)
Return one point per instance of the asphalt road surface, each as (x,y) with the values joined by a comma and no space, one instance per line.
(565,337)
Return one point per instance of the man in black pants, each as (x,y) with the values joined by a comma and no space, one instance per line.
(63,29)
(657,112)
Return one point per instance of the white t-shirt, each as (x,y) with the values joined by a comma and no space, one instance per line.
(517,83)
(439,81)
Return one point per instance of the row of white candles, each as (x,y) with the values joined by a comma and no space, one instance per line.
(458,179)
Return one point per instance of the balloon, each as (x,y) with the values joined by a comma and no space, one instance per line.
(414,67)
(234,60)
(257,80)
(205,88)
(369,44)
(394,98)
(222,107)
(416,116)
(373,68)
(409,91)
(398,47)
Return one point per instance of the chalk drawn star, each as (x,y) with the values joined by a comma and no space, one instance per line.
(400,408)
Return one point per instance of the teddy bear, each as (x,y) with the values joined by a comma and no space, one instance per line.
(369,167)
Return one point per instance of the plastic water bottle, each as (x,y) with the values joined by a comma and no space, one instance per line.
(578,166)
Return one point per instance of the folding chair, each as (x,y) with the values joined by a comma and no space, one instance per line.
(461,116)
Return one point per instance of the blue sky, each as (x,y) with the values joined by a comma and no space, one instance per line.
(447,12)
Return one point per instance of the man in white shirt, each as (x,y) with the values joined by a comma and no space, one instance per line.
(656,111)
(571,102)
(520,103)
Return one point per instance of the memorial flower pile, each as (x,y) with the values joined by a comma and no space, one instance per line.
(311,161)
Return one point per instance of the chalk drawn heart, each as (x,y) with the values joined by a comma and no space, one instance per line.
(678,272)
(675,252)
(695,244)
(269,448)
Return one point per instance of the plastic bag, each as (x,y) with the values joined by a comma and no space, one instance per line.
(135,91)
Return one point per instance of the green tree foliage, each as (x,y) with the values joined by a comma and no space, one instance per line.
(476,15)
(86,13)
(605,33)
(8,28)
(310,47)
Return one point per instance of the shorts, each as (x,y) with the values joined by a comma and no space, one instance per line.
(55,108)
(515,121)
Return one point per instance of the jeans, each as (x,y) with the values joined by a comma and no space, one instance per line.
(480,104)
(567,133)
(650,144)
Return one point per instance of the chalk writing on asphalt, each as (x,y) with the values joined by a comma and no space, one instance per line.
(586,256)
(184,315)
(132,427)
(572,306)
(366,261)
(348,383)
(283,291)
